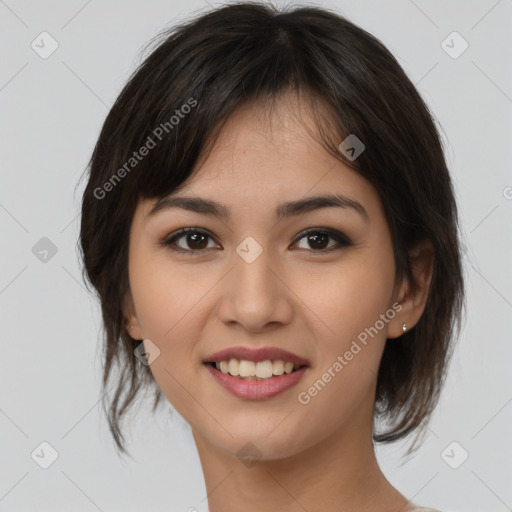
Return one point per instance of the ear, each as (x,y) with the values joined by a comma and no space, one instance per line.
(413,295)
(132,325)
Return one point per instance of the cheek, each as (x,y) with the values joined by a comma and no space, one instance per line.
(164,295)
(169,310)
(171,302)
(351,337)
(349,350)
(350,296)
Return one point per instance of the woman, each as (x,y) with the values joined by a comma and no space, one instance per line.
(271,229)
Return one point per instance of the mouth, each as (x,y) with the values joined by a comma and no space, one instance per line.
(257,371)
(256,374)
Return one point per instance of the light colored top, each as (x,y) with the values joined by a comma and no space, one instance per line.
(423,509)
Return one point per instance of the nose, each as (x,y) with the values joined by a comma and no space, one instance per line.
(255,295)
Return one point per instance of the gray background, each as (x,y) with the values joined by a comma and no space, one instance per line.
(51,111)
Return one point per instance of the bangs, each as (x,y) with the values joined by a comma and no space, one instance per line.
(176,103)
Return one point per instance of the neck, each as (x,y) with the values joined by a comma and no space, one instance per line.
(340,473)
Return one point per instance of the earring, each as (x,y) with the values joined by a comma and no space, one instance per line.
(404,327)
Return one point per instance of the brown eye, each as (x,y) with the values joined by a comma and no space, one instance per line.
(193,240)
(318,240)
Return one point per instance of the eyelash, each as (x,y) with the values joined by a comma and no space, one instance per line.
(342,240)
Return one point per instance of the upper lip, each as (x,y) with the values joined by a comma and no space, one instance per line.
(256,355)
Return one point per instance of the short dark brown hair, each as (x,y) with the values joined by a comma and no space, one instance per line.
(249,51)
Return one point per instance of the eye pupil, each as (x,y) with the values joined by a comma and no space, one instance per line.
(315,238)
(195,237)
(192,241)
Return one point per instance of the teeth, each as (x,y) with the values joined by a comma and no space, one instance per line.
(288,367)
(278,367)
(264,369)
(249,369)
(234,367)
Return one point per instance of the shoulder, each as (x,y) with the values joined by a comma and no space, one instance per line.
(423,509)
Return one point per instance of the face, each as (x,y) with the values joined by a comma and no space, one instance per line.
(317,281)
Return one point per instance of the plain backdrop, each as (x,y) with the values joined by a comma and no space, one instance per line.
(51,111)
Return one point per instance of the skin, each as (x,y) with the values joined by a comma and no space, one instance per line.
(317,456)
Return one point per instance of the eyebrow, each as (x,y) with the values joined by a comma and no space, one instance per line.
(283,211)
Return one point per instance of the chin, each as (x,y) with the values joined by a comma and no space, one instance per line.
(266,441)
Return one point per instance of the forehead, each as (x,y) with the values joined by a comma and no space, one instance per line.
(263,152)
(265,157)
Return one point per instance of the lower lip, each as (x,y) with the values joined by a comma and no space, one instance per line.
(257,389)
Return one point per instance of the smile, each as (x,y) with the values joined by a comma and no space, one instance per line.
(244,369)
(253,387)
(256,374)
